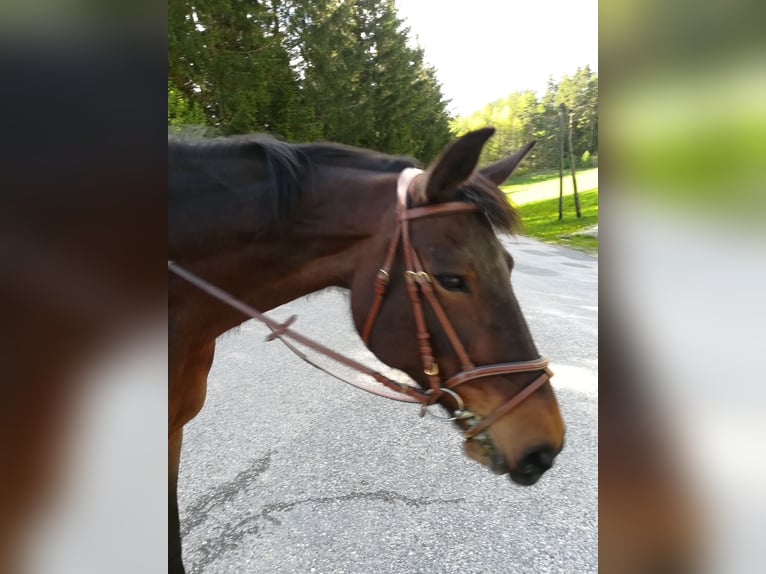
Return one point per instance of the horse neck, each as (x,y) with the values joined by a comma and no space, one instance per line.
(318,247)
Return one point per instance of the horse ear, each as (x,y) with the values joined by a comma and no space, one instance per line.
(499,171)
(454,165)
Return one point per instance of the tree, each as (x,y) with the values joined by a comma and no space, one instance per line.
(182,112)
(367,85)
(228,56)
(521,116)
(513,118)
(307,70)
(579,93)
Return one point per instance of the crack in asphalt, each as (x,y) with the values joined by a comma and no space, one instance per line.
(232,534)
(198,512)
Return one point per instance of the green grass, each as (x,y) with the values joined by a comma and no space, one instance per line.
(541,220)
(536,196)
(534,177)
(545,185)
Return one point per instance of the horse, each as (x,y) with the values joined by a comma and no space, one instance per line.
(268,221)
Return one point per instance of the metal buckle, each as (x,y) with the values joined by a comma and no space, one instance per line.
(433,371)
(418,276)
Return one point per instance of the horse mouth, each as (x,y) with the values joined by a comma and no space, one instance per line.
(484,451)
(497,463)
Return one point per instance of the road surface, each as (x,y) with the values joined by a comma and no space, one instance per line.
(288,470)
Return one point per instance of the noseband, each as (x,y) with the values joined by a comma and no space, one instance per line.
(420,286)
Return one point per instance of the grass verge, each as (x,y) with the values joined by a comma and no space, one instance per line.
(545,185)
(541,220)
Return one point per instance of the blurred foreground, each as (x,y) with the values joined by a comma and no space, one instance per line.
(82,300)
(684,287)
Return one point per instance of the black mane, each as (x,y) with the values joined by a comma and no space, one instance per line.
(245,163)
(242,163)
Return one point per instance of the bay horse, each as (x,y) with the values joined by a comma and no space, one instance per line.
(269,222)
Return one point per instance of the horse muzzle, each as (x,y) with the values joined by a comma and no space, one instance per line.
(525,471)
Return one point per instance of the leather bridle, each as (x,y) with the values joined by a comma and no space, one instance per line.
(419,284)
(419,287)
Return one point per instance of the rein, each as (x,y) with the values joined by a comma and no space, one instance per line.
(419,285)
(282,331)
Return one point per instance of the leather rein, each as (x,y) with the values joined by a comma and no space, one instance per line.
(419,286)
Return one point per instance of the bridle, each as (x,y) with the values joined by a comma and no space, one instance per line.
(419,287)
(419,283)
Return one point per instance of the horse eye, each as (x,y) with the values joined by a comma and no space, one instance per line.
(452,282)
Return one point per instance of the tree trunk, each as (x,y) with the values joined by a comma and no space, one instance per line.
(591,147)
(562,109)
(572,164)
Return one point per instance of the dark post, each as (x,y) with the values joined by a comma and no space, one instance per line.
(562,109)
(572,163)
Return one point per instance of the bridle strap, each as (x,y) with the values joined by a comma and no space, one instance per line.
(508,406)
(403,182)
(416,276)
(438,209)
(428,292)
(381,282)
(498,369)
(430,368)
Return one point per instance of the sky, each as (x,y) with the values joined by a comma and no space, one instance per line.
(486,49)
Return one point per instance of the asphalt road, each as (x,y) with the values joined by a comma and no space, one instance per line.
(339,481)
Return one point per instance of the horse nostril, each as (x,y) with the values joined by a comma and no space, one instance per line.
(536,460)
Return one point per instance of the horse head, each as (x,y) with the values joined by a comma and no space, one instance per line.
(447,311)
